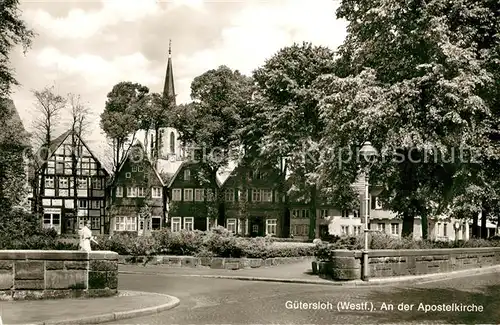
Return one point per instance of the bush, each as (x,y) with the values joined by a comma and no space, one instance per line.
(22,230)
(324,250)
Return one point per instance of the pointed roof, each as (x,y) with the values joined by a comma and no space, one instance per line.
(168,89)
(139,144)
(56,143)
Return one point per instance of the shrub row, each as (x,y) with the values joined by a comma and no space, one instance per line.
(215,243)
(324,250)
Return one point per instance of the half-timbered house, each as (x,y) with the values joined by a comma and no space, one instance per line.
(138,199)
(61,207)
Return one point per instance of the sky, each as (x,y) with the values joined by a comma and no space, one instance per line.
(86,47)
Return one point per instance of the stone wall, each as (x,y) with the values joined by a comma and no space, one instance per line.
(348,265)
(37,274)
(211,262)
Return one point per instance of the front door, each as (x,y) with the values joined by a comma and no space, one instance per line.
(256,227)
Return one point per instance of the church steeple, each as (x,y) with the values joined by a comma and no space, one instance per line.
(168,89)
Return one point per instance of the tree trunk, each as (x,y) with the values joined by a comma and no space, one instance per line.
(408,222)
(313,215)
(484,217)
(75,179)
(425,227)
(475,228)
(285,215)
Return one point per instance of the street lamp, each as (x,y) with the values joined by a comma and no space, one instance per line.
(369,153)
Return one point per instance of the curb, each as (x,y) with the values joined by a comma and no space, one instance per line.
(421,279)
(110,317)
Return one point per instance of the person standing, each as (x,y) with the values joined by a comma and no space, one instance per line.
(86,237)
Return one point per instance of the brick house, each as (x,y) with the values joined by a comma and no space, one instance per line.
(191,201)
(62,208)
(138,195)
(253,203)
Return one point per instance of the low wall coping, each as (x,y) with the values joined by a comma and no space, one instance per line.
(429,252)
(57,255)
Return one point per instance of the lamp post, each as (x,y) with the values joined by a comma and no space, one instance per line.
(368,152)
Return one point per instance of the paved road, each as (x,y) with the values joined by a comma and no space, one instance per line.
(220,301)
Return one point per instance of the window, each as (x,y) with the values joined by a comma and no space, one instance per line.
(172,142)
(188,194)
(96,183)
(438,231)
(229,195)
(255,228)
(267,196)
(95,223)
(301,213)
(155,222)
(141,192)
(199,195)
(96,204)
(131,191)
(51,220)
(323,214)
(128,175)
(256,174)
(82,204)
(156,192)
(126,224)
(345,230)
(271,226)
(242,195)
(119,191)
(49,182)
(176,224)
(82,183)
(231,225)
(134,169)
(176,194)
(381,227)
(395,228)
(445,230)
(187,175)
(345,214)
(63,182)
(375,203)
(211,195)
(255,195)
(140,169)
(357,230)
(300,230)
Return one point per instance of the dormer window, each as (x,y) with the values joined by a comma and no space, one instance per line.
(134,169)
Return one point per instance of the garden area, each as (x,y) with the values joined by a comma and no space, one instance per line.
(21,230)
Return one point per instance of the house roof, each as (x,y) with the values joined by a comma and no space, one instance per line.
(56,143)
(222,176)
(139,145)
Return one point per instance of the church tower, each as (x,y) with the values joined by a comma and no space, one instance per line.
(170,151)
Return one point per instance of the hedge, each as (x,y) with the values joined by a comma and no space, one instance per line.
(215,243)
(323,251)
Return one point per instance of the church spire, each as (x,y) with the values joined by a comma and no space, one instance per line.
(168,89)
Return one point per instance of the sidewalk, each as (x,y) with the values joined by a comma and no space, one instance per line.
(126,305)
(299,272)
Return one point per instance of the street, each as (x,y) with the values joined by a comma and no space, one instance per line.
(222,301)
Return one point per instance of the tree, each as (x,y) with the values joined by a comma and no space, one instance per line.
(121,118)
(210,122)
(49,106)
(424,95)
(14,32)
(14,142)
(79,114)
(290,117)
